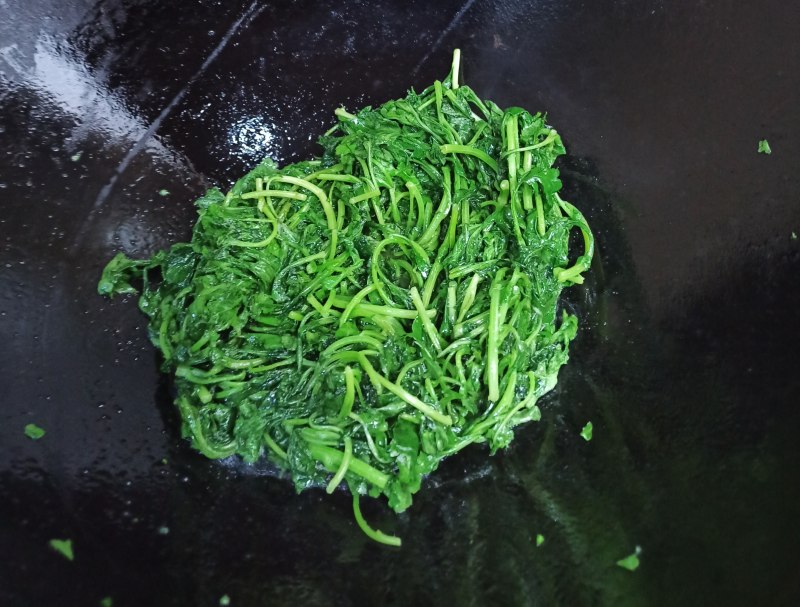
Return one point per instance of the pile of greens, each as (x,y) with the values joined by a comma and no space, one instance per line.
(361,316)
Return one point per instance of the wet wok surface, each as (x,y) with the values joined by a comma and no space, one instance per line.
(685,362)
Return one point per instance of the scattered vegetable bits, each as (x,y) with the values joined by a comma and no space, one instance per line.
(63,547)
(361,316)
(631,562)
(34,432)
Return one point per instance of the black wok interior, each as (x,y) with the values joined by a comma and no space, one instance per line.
(116,114)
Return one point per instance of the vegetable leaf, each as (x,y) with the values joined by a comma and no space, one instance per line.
(630,562)
(586,433)
(34,432)
(763,147)
(64,547)
(361,316)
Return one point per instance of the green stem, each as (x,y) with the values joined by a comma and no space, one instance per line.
(454,68)
(331,459)
(343,114)
(379,380)
(527,194)
(365,196)
(335,177)
(582,263)
(364,309)
(454,148)
(351,340)
(348,310)
(349,392)
(374,534)
(430,283)
(427,325)
(330,216)
(343,465)
(540,226)
(511,143)
(469,297)
(492,345)
(261,243)
(368,436)
(198,436)
(428,238)
(270,442)
(275,194)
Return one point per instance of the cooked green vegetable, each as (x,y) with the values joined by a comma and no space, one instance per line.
(63,547)
(630,562)
(34,432)
(539,539)
(361,316)
(763,147)
(586,432)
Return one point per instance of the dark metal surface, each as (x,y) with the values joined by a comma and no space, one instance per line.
(685,364)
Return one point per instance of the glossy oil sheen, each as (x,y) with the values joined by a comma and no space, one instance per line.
(685,362)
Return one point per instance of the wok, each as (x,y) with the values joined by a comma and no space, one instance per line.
(116,114)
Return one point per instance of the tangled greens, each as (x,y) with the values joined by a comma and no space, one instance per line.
(361,316)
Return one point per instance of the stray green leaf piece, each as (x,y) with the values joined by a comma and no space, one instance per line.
(763,147)
(106,602)
(224,600)
(76,157)
(163,192)
(34,432)
(539,539)
(631,562)
(586,433)
(794,235)
(64,547)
